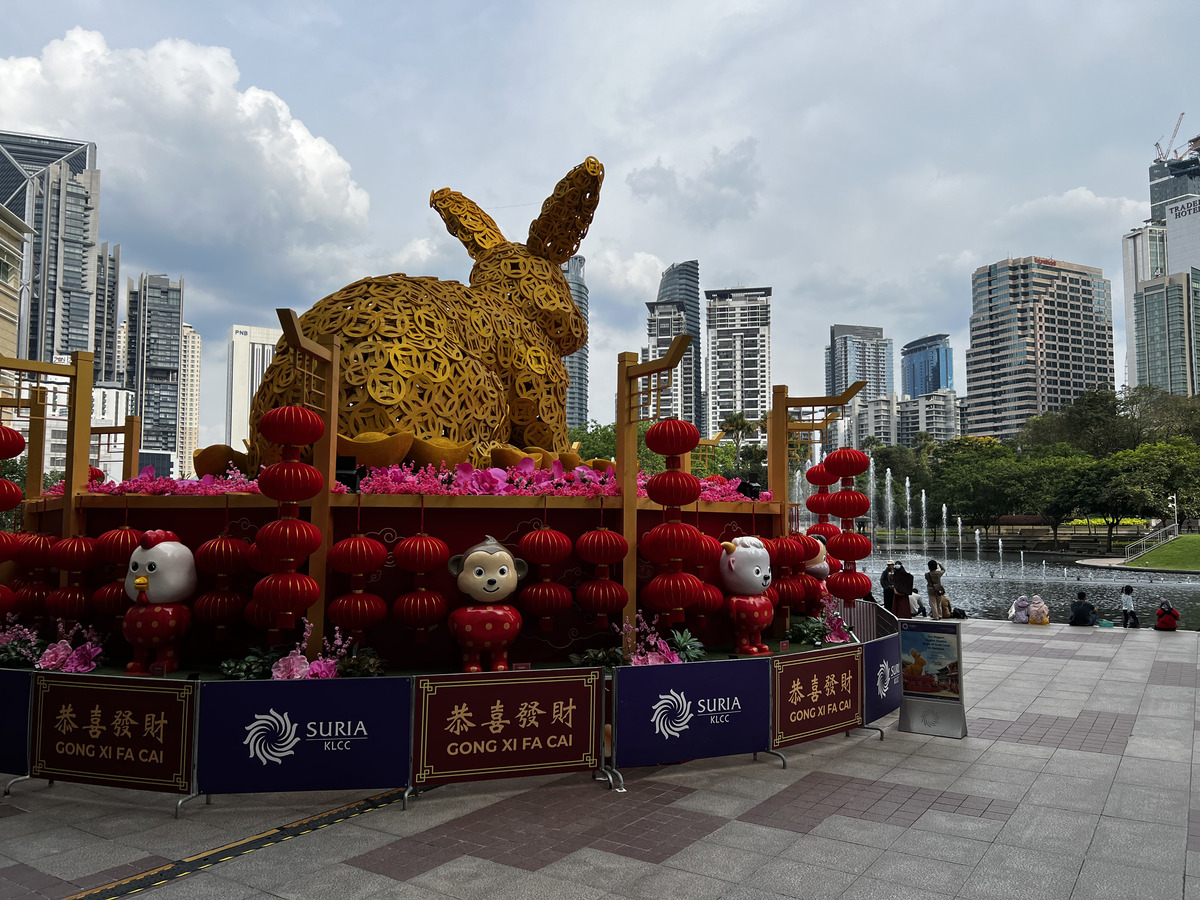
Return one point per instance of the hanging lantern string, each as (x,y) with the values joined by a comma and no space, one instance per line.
(601,510)
(226,531)
(126,510)
(358,521)
(422,528)
(545,510)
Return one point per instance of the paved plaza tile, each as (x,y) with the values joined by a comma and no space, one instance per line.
(1076,782)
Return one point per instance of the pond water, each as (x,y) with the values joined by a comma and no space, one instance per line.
(985,585)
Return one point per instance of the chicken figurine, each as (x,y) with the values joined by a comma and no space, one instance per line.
(160,580)
(745,568)
(487,573)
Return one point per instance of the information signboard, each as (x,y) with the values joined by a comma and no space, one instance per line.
(931,667)
(124,732)
(815,694)
(314,734)
(670,713)
(502,724)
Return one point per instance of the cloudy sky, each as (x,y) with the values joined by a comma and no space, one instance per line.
(862,159)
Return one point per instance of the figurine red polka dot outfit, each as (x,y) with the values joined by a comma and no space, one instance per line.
(487,573)
(160,579)
(745,569)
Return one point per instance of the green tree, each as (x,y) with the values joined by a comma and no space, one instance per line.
(738,427)
(1050,487)
(596,441)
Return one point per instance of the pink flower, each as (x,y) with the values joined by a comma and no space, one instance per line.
(292,666)
(322,668)
(765,496)
(83,659)
(55,656)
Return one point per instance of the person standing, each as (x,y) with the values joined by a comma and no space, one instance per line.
(1127,613)
(887,582)
(933,584)
(902,583)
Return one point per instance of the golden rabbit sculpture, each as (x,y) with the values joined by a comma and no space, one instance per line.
(477,364)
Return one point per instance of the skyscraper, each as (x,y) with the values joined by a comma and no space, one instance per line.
(858,353)
(251,349)
(190,355)
(1174,178)
(1041,335)
(676,311)
(926,365)
(153,370)
(1143,256)
(739,356)
(54,186)
(13,232)
(577,362)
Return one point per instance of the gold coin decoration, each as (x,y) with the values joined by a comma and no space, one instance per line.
(479,364)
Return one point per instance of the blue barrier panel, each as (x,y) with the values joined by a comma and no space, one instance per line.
(671,713)
(306,735)
(881,677)
(15,687)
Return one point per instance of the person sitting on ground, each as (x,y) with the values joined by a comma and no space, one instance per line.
(1168,617)
(1039,612)
(1082,612)
(947,610)
(1018,613)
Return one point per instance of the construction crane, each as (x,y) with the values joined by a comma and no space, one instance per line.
(1164,154)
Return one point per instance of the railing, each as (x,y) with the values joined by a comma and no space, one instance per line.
(1152,540)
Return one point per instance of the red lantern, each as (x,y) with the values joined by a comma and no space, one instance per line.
(10,495)
(849,586)
(31,599)
(602,598)
(709,602)
(850,545)
(668,541)
(221,608)
(808,547)
(116,546)
(601,547)
(847,504)
(671,593)
(287,595)
(826,530)
(835,565)
(544,546)
(672,437)
(111,600)
(34,550)
(847,462)
(291,425)
(357,611)
(260,562)
(421,553)
(223,555)
(12,443)
(290,481)
(545,599)
(818,503)
(8,546)
(74,554)
(420,609)
(258,615)
(357,555)
(673,488)
(8,602)
(95,474)
(289,539)
(68,603)
(817,474)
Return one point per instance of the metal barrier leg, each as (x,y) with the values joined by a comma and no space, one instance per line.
(8,787)
(782,758)
(182,800)
(870,728)
(602,774)
(408,792)
(620,779)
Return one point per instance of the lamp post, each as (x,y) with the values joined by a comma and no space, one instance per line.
(1173,499)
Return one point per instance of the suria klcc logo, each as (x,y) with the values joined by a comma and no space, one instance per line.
(271,737)
(886,677)
(671,714)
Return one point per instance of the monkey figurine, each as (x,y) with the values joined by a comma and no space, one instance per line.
(487,573)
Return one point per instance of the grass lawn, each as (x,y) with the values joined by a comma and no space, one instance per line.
(1183,553)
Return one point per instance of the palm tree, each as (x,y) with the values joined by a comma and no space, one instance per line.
(737,426)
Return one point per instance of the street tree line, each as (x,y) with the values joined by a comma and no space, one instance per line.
(1108,456)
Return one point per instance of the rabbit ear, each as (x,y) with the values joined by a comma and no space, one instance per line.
(467,222)
(567,213)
